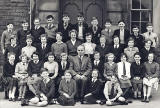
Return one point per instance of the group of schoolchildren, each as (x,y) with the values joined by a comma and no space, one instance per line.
(68,63)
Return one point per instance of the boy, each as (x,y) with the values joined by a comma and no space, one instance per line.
(95,30)
(37,31)
(122,33)
(67,90)
(51,29)
(113,92)
(5,39)
(151,35)
(22,34)
(43,48)
(107,32)
(13,47)
(65,27)
(93,89)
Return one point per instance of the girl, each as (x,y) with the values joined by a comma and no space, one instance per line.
(110,68)
(89,46)
(124,74)
(137,74)
(58,47)
(29,49)
(52,66)
(130,50)
(8,73)
(151,77)
(21,74)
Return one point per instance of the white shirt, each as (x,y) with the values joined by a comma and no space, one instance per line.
(73,42)
(121,36)
(80,32)
(96,62)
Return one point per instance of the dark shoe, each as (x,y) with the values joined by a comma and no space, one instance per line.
(14,99)
(128,101)
(10,99)
(147,100)
(102,102)
(19,99)
(124,103)
(24,102)
(144,99)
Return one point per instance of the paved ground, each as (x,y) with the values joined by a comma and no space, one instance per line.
(155,103)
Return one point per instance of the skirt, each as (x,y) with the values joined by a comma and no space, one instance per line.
(134,81)
(125,83)
(9,82)
(153,82)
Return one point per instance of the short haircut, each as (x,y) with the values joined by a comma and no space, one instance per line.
(24,21)
(73,30)
(23,55)
(63,54)
(37,19)
(11,53)
(59,33)
(121,21)
(50,54)
(137,53)
(135,26)
(35,53)
(124,54)
(12,37)
(148,40)
(115,36)
(29,37)
(80,14)
(88,34)
(94,18)
(130,39)
(96,52)
(108,21)
(68,71)
(149,24)
(43,70)
(43,35)
(49,16)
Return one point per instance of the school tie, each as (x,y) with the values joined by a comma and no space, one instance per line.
(80,61)
(63,66)
(112,90)
(94,29)
(124,69)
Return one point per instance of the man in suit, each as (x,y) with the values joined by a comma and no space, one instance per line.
(122,33)
(65,27)
(51,29)
(43,48)
(81,27)
(102,48)
(116,49)
(37,31)
(81,66)
(95,30)
(73,43)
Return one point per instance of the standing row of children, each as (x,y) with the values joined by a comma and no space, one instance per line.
(78,62)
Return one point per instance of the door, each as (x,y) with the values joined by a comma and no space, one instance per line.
(90,8)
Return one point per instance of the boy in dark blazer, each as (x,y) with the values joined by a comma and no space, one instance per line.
(43,48)
(65,27)
(95,30)
(37,31)
(73,43)
(81,27)
(122,33)
(93,89)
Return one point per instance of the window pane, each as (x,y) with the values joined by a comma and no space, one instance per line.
(135,15)
(135,4)
(146,4)
(145,16)
(143,27)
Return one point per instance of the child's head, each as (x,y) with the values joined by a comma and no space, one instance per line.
(151,57)
(108,24)
(123,57)
(95,73)
(50,19)
(37,21)
(66,18)
(130,42)
(35,56)
(94,21)
(96,55)
(149,27)
(51,57)
(29,40)
(148,43)
(67,74)
(110,57)
(44,73)
(73,34)
(59,36)
(13,40)
(11,56)
(116,40)
(25,25)
(135,29)
(23,57)
(80,17)
(137,57)
(88,37)
(102,40)
(43,38)
(64,56)
(121,24)
(114,79)
(10,26)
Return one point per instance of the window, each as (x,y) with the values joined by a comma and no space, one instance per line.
(141,13)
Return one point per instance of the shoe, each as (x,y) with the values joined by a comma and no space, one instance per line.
(147,100)
(124,103)
(128,101)
(10,99)
(19,99)
(24,102)
(14,99)
(144,99)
